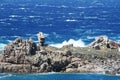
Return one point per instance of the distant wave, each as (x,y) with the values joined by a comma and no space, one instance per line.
(90,17)
(14,16)
(76,43)
(22,8)
(71,20)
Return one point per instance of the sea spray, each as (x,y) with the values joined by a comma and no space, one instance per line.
(2,46)
(76,43)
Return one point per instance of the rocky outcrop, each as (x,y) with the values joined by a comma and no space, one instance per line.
(25,56)
(16,51)
(103,42)
(38,58)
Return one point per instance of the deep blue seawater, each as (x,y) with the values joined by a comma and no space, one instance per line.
(77,21)
(58,77)
(60,20)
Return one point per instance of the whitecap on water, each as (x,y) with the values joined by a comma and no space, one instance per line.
(2,46)
(5,75)
(91,37)
(22,8)
(90,17)
(31,16)
(71,13)
(46,35)
(76,43)
(56,35)
(70,20)
(14,16)
(63,6)
(9,40)
(81,7)
(44,5)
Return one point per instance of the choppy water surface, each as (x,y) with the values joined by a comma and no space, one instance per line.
(78,20)
(55,76)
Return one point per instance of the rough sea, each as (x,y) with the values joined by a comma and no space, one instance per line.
(62,21)
(55,76)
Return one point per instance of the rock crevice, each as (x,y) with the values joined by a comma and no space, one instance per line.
(25,56)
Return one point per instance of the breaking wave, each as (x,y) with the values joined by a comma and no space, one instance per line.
(5,75)
(76,43)
(2,46)
(71,20)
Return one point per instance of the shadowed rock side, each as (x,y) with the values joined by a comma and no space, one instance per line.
(25,56)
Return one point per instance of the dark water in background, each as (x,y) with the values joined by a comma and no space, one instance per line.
(58,77)
(79,20)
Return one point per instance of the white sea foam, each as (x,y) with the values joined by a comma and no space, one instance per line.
(63,6)
(14,16)
(56,35)
(9,40)
(91,37)
(4,76)
(22,8)
(46,35)
(70,20)
(2,46)
(41,5)
(90,17)
(15,36)
(49,73)
(81,7)
(31,16)
(71,13)
(76,43)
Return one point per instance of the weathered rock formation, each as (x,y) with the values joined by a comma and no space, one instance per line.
(25,56)
(103,42)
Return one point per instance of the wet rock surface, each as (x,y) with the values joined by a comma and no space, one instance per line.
(25,56)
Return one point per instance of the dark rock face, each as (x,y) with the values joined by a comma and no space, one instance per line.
(24,56)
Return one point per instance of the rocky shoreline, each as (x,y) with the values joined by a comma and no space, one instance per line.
(25,56)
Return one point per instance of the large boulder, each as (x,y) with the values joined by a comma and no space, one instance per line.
(103,42)
(16,51)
